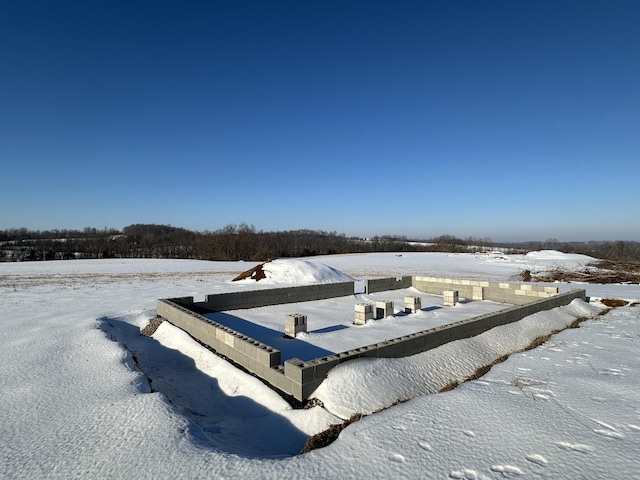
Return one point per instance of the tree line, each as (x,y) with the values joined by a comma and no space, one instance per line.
(232,242)
(244,242)
(616,250)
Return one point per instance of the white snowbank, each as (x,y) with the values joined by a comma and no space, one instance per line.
(298,272)
(556,255)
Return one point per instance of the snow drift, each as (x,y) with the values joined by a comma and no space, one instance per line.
(292,272)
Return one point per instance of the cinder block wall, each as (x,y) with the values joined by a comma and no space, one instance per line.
(513,293)
(275,296)
(385,284)
(240,348)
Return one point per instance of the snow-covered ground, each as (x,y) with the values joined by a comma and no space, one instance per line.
(74,403)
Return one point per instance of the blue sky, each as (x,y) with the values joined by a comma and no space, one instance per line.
(501,119)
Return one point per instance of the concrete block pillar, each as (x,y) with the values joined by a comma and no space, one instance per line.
(294,324)
(412,304)
(364,312)
(384,309)
(450,298)
(478,293)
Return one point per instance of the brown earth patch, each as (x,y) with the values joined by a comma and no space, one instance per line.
(613,302)
(328,436)
(152,326)
(256,273)
(603,271)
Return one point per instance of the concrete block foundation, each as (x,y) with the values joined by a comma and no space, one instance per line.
(300,378)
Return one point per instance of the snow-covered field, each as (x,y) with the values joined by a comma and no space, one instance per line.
(74,403)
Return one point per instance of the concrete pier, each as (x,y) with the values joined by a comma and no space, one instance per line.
(294,324)
(384,309)
(364,312)
(412,304)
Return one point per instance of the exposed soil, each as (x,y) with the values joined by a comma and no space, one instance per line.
(603,272)
(256,273)
(613,302)
(329,435)
(152,326)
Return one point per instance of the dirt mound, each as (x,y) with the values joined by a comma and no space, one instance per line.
(256,273)
(152,326)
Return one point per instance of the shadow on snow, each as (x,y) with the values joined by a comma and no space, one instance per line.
(235,424)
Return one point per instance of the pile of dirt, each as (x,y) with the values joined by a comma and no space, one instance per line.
(614,302)
(152,326)
(330,435)
(256,273)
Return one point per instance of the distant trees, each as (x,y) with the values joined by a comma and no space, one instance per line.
(244,242)
(606,250)
(232,242)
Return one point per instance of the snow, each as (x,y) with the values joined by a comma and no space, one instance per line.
(330,322)
(558,257)
(75,401)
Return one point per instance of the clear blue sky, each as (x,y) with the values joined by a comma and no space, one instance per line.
(505,119)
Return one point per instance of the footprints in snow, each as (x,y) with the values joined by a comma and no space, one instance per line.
(576,447)
(609,433)
(537,459)
(466,474)
(506,470)
(396,457)
(425,446)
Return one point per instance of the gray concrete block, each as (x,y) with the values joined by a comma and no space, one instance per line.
(384,309)
(412,304)
(294,324)
(477,293)
(298,371)
(363,312)
(268,356)
(450,298)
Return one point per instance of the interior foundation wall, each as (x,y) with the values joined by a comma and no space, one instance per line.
(385,284)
